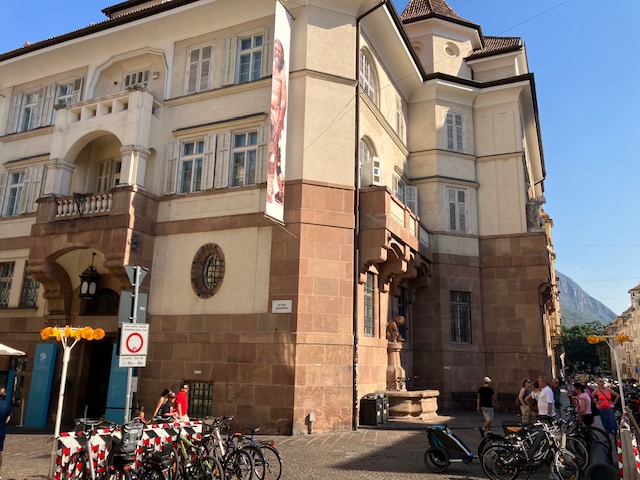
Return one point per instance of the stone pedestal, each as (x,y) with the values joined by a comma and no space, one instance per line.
(396,375)
(421,404)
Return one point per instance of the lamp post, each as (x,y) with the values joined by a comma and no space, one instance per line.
(68,338)
(613,341)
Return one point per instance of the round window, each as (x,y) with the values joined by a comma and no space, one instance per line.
(451,49)
(207,270)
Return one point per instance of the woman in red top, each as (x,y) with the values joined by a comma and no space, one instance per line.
(606,399)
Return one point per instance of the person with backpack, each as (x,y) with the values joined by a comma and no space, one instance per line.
(525,410)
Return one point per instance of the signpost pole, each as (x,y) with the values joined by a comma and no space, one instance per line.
(132,319)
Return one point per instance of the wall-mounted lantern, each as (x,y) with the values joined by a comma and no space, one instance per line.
(89,281)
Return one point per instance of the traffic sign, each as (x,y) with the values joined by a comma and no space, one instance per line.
(131,273)
(125,307)
(130,361)
(134,339)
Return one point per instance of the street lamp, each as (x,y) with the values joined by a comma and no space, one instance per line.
(613,341)
(89,281)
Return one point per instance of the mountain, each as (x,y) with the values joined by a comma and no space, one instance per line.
(577,307)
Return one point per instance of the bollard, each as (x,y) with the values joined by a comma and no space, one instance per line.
(600,467)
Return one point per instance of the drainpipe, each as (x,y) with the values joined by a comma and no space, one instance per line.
(356,213)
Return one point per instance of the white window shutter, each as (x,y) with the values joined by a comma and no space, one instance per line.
(192,70)
(449,131)
(3,181)
(462,210)
(229,66)
(267,52)
(171,167)
(221,176)
(208,162)
(410,198)
(34,190)
(47,109)
(459,137)
(39,111)
(14,114)
(205,69)
(451,202)
(24,198)
(77,90)
(263,154)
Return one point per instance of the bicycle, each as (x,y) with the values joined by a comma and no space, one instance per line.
(237,464)
(270,454)
(81,464)
(195,463)
(528,450)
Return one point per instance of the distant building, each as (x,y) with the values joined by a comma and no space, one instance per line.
(414,186)
(628,323)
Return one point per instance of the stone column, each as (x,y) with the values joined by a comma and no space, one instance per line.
(58,178)
(134,165)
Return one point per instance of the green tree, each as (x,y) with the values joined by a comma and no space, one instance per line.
(576,347)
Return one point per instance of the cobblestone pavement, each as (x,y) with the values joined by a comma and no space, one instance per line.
(395,448)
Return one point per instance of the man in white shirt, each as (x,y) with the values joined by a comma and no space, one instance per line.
(545,399)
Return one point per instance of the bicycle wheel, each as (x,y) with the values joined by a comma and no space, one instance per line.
(436,459)
(272,461)
(75,468)
(211,468)
(597,435)
(259,466)
(238,465)
(174,472)
(579,451)
(499,463)
(565,467)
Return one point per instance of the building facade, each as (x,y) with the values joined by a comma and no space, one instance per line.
(414,186)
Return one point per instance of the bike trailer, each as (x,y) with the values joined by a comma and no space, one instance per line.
(442,436)
(130,435)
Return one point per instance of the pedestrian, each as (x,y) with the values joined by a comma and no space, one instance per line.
(605,399)
(5,416)
(584,405)
(168,411)
(545,399)
(532,399)
(161,401)
(486,400)
(525,411)
(557,396)
(182,402)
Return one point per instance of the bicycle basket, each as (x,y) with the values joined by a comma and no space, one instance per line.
(130,435)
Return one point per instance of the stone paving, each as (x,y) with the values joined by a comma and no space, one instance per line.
(395,448)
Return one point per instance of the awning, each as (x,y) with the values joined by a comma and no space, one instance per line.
(5,350)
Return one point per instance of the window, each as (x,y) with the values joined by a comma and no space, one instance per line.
(29,112)
(200,399)
(457,209)
(244,157)
(453,127)
(67,93)
(398,185)
(368,80)
(460,317)
(370,173)
(135,79)
(14,194)
(6,276)
(250,59)
(29,293)
(109,175)
(369,304)
(199,69)
(207,270)
(191,160)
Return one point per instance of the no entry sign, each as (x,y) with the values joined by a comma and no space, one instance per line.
(134,339)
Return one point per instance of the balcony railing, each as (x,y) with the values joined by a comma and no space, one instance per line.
(83,204)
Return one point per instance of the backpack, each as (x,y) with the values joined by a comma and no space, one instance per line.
(594,408)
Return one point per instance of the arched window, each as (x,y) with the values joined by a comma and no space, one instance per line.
(368,79)
(369,165)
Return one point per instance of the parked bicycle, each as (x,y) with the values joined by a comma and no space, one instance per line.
(270,454)
(194,462)
(237,463)
(82,465)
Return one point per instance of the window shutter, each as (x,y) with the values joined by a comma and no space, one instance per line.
(376,174)
(171,168)
(208,162)
(205,69)
(459,138)
(3,181)
(267,52)
(77,90)
(462,210)
(192,70)
(449,131)
(410,195)
(221,178)
(14,114)
(24,197)
(47,109)
(229,67)
(39,110)
(451,200)
(34,190)
(263,154)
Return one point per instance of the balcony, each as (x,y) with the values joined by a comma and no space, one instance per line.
(83,204)
(392,237)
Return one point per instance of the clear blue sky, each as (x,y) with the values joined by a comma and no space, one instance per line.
(584,57)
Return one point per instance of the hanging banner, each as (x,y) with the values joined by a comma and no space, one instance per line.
(278,117)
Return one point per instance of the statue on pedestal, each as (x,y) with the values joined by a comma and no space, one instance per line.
(393,334)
